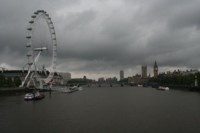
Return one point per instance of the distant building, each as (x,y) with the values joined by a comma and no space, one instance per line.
(188,72)
(84,78)
(144,71)
(155,69)
(66,76)
(134,79)
(121,73)
(57,79)
(14,73)
(111,80)
(101,80)
(180,72)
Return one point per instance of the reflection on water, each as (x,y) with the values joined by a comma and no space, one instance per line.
(103,110)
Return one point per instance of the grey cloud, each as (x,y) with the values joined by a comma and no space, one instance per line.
(89,41)
(186,18)
(79,20)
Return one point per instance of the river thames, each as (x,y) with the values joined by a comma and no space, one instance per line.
(103,110)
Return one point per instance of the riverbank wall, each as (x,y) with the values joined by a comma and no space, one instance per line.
(179,87)
(12,90)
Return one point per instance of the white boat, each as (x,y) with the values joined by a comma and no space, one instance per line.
(34,96)
(74,88)
(66,89)
(163,88)
(29,96)
(38,95)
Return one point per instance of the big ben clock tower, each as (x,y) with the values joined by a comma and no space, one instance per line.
(155,70)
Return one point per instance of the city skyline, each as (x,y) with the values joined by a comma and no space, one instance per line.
(94,41)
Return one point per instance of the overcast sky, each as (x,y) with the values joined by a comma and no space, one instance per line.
(98,38)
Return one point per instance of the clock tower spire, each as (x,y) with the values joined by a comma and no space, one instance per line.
(155,69)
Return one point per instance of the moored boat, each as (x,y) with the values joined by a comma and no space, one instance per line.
(34,96)
(73,89)
(29,96)
(38,95)
(163,88)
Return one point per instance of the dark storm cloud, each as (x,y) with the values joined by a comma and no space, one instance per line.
(14,17)
(98,35)
(188,17)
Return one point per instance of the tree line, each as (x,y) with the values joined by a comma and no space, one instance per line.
(80,81)
(176,80)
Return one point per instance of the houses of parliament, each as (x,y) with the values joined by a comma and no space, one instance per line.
(144,70)
(143,78)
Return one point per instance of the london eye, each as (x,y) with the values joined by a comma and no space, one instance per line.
(35,52)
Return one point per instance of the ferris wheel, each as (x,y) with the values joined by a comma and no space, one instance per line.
(34,53)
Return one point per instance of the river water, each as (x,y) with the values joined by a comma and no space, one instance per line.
(103,110)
